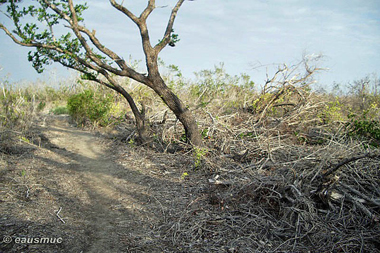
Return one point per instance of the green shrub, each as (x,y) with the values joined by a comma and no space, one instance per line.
(211,84)
(199,154)
(364,127)
(60,110)
(332,112)
(90,105)
(41,105)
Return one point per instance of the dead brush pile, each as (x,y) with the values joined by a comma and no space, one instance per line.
(280,173)
(273,192)
(278,185)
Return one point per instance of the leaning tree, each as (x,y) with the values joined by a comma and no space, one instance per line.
(80,49)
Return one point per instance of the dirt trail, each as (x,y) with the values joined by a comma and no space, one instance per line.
(93,167)
(113,197)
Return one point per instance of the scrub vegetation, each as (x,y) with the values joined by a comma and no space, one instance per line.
(284,167)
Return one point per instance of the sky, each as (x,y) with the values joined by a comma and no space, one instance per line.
(248,36)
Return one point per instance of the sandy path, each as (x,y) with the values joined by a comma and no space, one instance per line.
(112,196)
(110,201)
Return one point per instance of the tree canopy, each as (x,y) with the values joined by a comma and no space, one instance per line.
(80,49)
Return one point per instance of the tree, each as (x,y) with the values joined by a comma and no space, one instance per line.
(81,50)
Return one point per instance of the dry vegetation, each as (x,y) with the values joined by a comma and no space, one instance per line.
(285,169)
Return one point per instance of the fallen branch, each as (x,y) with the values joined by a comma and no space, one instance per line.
(348,160)
(360,206)
(347,187)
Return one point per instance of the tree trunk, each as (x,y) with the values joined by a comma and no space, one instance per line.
(142,129)
(141,126)
(183,114)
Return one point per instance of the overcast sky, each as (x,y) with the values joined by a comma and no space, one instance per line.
(244,34)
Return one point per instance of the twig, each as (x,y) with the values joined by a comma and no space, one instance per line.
(162,207)
(130,136)
(164,118)
(59,217)
(27,192)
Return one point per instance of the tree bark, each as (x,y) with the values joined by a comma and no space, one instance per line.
(182,113)
(141,126)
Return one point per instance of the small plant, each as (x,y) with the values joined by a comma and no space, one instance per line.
(131,142)
(198,154)
(300,137)
(247,135)
(204,133)
(41,105)
(184,175)
(183,137)
(24,139)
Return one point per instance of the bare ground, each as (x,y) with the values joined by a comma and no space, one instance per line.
(75,185)
(101,193)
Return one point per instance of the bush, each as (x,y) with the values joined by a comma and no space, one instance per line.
(365,127)
(89,105)
(60,110)
(41,105)
(332,112)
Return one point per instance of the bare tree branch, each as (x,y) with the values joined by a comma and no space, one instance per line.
(116,58)
(166,38)
(75,27)
(148,10)
(129,72)
(124,10)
